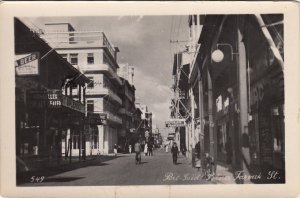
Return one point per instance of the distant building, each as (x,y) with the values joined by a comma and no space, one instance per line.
(146,118)
(126,71)
(128,110)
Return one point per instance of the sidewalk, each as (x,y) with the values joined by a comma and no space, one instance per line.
(223,176)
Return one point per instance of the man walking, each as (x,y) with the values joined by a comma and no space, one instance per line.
(174,151)
(137,150)
(150,149)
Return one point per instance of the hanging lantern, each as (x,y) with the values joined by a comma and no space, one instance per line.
(217,56)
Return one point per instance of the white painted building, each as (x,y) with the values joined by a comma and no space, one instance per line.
(93,54)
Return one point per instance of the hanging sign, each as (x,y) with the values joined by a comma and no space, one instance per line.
(27,64)
(175,123)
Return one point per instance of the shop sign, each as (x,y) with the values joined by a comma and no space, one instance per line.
(257,93)
(175,123)
(27,64)
(72,104)
(44,99)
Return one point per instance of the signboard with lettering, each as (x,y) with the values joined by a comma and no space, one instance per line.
(44,99)
(53,99)
(27,64)
(175,123)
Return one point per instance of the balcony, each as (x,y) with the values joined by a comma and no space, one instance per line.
(114,118)
(72,104)
(104,92)
(78,39)
(123,111)
(105,69)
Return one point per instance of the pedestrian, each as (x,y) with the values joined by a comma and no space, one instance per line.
(137,150)
(146,149)
(115,149)
(150,148)
(130,148)
(167,148)
(174,151)
(183,150)
(198,150)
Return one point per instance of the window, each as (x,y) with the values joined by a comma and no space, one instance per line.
(74,59)
(91,84)
(90,105)
(90,58)
(65,56)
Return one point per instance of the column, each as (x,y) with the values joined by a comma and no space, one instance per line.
(106,144)
(193,119)
(100,138)
(210,115)
(243,102)
(201,112)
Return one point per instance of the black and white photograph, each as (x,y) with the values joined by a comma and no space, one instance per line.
(147,100)
(193,99)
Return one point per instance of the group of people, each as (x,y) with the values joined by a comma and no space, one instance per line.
(148,151)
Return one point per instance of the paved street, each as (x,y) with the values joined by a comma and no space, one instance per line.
(122,170)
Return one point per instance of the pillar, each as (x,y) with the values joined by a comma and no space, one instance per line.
(210,115)
(201,112)
(193,119)
(243,102)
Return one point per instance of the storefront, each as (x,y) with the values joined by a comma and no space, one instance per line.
(266,127)
(266,100)
(46,109)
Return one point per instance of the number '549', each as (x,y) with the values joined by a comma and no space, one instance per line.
(37,179)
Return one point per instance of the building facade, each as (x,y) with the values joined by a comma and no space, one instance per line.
(46,111)
(236,91)
(145,125)
(92,53)
(128,132)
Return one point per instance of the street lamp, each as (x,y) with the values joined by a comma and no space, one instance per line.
(217,55)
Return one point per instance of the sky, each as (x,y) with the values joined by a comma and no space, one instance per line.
(144,42)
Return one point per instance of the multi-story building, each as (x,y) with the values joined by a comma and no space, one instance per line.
(146,121)
(46,111)
(184,104)
(126,71)
(128,131)
(92,53)
(236,91)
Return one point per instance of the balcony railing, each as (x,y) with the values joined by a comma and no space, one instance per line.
(102,91)
(78,39)
(105,68)
(72,104)
(114,118)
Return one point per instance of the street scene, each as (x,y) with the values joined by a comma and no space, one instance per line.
(149,100)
